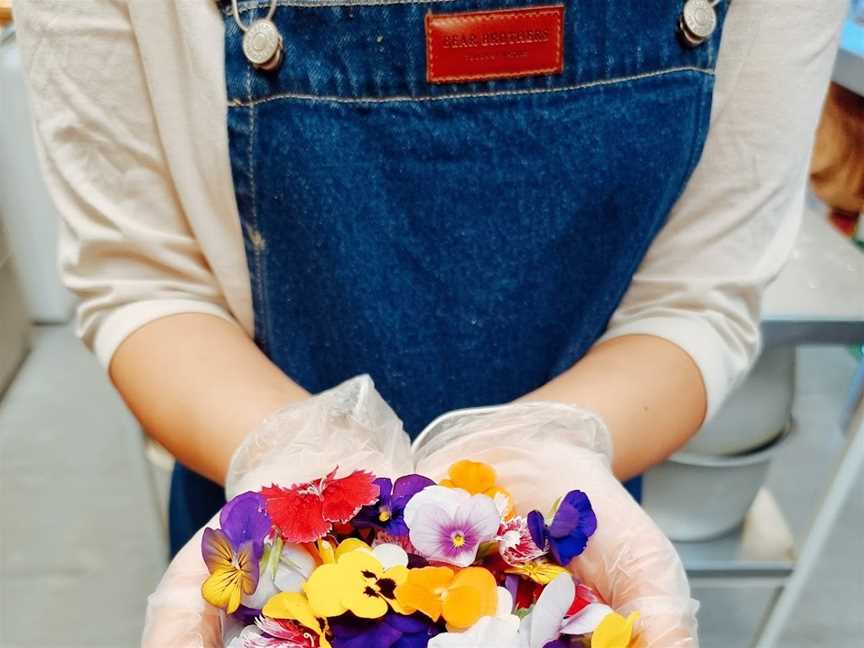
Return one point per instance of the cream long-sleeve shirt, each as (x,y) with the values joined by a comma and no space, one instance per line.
(129,104)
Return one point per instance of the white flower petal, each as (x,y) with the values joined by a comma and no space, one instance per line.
(296,557)
(505,603)
(447,499)
(587,619)
(486,633)
(427,531)
(549,611)
(390,555)
(263,591)
(481,513)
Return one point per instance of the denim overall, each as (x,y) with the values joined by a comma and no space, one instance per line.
(463,243)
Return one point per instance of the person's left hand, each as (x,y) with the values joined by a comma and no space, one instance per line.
(541,451)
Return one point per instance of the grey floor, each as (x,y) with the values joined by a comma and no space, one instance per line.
(82,538)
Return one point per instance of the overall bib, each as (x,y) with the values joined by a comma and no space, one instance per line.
(462,242)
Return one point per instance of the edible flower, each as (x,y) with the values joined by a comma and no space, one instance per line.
(565,608)
(391,631)
(460,597)
(306,512)
(294,606)
(233,552)
(477,478)
(515,543)
(488,632)
(573,523)
(542,572)
(614,631)
(448,524)
(273,633)
(356,582)
(387,513)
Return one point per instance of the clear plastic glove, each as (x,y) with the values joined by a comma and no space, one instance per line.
(350,426)
(542,450)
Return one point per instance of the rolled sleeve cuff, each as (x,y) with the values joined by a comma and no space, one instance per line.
(127,319)
(720,365)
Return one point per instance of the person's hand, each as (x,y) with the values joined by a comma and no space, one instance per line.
(350,426)
(541,451)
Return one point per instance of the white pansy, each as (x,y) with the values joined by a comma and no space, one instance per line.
(500,632)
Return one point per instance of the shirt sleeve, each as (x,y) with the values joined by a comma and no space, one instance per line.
(125,247)
(700,285)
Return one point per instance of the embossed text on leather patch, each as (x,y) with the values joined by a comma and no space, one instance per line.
(497,44)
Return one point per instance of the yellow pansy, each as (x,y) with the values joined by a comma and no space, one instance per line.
(461,598)
(295,606)
(614,631)
(478,479)
(357,582)
(539,571)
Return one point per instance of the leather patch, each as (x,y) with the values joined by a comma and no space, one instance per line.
(498,44)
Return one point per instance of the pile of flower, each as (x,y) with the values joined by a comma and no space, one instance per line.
(360,562)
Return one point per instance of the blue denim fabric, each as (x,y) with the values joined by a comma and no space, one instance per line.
(462,243)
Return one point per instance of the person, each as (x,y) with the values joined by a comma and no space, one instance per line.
(595,230)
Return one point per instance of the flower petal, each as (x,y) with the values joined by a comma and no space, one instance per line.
(222,589)
(245,518)
(293,606)
(482,515)
(428,530)
(447,499)
(472,594)
(548,613)
(324,588)
(364,603)
(537,528)
(587,620)
(473,476)
(504,606)
(614,631)
(390,555)
(350,544)
(216,550)
(488,632)
(422,590)
(407,487)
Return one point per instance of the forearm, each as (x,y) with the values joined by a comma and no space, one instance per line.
(198,384)
(648,391)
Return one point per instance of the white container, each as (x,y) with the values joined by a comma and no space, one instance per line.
(697,497)
(26,208)
(756,412)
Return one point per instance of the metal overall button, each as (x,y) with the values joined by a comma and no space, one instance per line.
(262,42)
(697,22)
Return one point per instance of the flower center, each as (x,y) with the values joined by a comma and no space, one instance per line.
(384,514)
(458,540)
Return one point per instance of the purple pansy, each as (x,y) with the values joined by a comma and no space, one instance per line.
(391,631)
(245,518)
(387,513)
(574,522)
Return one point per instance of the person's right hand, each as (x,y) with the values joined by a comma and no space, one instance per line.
(542,450)
(350,426)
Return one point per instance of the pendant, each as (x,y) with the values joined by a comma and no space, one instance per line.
(698,21)
(262,45)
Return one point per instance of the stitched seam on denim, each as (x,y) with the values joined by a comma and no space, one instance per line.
(239,103)
(496,16)
(327,3)
(263,314)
